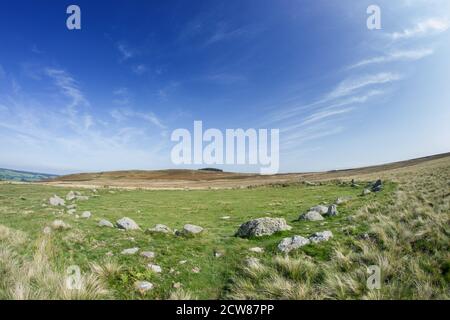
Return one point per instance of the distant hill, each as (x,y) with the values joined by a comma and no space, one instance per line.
(14,175)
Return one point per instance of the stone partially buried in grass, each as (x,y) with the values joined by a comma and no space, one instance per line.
(292,243)
(143,286)
(105,223)
(154,268)
(130,251)
(59,225)
(311,216)
(86,215)
(262,227)
(191,229)
(148,254)
(321,236)
(56,201)
(159,228)
(127,224)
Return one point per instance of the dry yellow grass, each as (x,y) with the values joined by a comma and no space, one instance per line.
(408,240)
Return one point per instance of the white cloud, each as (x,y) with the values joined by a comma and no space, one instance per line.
(125,51)
(139,69)
(349,86)
(399,55)
(68,86)
(123,114)
(423,28)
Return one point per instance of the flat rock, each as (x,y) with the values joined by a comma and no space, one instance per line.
(159,228)
(366,192)
(105,223)
(143,286)
(71,206)
(252,262)
(154,268)
(72,211)
(262,227)
(86,215)
(256,250)
(311,216)
(127,224)
(56,201)
(192,229)
(321,236)
(71,196)
(148,254)
(130,251)
(288,244)
(320,209)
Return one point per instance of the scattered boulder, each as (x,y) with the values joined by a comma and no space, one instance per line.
(148,254)
(256,250)
(143,286)
(127,224)
(59,225)
(321,236)
(292,243)
(354,184)
(130,251)
(154,268)
(377,186)
(86,215)
(332,211)
(71,196)
(56,201)
(196,270)
(311,216)
(71,206)
(190,229)
(105,223)
(309,183)
(159,228)
(71,211)
(320,209)
(262,227)
(225,218)
(366,192)
(82,198)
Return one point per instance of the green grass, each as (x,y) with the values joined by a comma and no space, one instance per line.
(21,208)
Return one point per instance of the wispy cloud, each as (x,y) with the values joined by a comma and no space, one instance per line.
(123,114)
(125,51)
(68,86)
(122,96)
(398,55)
(351,85)
(423,28)
(139,69)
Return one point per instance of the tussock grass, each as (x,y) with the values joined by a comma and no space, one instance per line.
(408,238)
(35,277)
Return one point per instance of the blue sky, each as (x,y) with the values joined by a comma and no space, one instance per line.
(108,96)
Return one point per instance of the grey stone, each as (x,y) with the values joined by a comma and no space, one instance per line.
(56,201)
(321,236)
(377,186)
(262,227)
(192,229)
(105,223)
(256,250)
(252,262)
(86,214)
(130,251)
(311,216)
(148,254)
(143,286)
(332,211)
(154,268)
(159,228)
(320,209)
(366,192)
(292,243)
(70,196)
(127,224)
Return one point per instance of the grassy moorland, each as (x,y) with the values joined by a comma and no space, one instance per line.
(403,229)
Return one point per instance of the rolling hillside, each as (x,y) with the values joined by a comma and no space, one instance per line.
(14,175)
